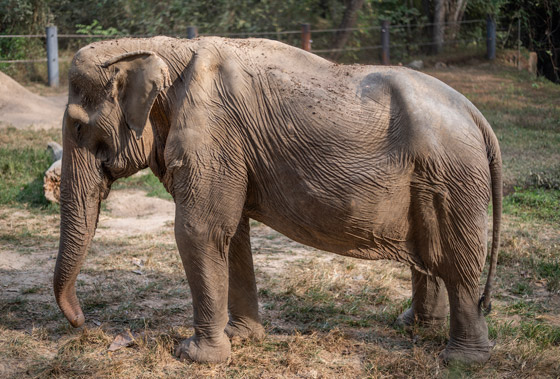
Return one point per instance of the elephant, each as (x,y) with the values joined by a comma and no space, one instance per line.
(372,162)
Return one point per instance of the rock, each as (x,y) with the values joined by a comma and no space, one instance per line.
(417,65)
(440,65)
(121,340)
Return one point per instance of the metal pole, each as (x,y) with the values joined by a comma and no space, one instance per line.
(385,57)
(490,38)
(306,37)
(192,32)
(52,55)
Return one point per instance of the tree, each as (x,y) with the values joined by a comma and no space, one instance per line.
(447,17)
(348,21)
(439,27)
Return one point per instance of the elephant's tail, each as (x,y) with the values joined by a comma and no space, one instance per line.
(495,162)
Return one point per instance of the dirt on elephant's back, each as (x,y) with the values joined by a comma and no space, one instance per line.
(21,108)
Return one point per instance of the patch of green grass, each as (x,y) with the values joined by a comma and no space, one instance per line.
(526,151)
(148,182)
(23,161)
(522,288)
(18,237)
(549,270)
(324,306)
(525,308)
(21,177)
(25,138)
(534,204)
(544,334)
(31,290)
(313,310)
(390,313)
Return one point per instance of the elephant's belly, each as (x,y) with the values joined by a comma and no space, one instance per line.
(369,224)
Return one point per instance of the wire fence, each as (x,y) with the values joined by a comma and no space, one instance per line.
(364,44)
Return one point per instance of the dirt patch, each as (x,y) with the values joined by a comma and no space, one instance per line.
(21,108)
(10,260)
(131,212)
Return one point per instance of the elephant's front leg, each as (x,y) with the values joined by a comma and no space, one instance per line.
(206,218)
(243,304)
(206,266)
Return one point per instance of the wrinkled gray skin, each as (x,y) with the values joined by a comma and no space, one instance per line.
(364,161)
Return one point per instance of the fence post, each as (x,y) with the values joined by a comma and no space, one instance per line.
(52,55)
(490,38)
(192,32)
(385,42)
(306,37)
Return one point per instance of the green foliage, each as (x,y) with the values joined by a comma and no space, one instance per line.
(95,28)
(539,31)
(22,17)
(481,8)
(171,17)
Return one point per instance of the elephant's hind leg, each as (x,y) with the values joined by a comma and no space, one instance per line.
(463,240)
(243,304)
(468,335)
(429,301)
(451,239)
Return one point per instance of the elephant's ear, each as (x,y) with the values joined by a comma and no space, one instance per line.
(139,77)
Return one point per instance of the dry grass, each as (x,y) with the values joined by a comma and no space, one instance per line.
(326,315)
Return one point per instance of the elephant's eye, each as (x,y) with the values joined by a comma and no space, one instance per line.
(78,126)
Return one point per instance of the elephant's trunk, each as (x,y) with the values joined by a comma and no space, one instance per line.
(81,189)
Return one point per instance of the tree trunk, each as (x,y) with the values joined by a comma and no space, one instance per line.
(426,10)
(348,21)
(455,12)
(439,27)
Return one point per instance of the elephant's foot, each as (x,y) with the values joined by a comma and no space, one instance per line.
(408,318)
(456,353)
(204,350)
(405,319)
(245,329)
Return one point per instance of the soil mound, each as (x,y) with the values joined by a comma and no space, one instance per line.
(21,108)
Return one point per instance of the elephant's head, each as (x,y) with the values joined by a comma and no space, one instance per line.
(104,138)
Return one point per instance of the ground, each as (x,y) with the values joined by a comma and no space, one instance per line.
(326,315)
